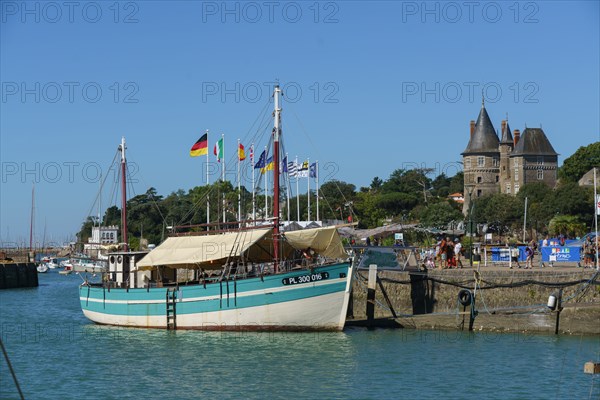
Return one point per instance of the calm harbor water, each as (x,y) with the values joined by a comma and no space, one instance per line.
(58,354)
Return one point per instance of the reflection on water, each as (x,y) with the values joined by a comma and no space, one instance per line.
(57,353)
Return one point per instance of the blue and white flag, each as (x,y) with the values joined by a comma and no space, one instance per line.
(292,169)
(261,161)
(313,170)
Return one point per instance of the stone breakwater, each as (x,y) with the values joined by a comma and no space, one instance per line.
(506,300)
(17,275)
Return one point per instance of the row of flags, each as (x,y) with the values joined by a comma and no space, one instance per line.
(292,168)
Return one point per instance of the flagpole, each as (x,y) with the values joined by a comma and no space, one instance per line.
(297,192)
(253,199)
(266,215)
(596,219)
(239,186)
(207,184)
(287,187)
(317,178)
(223,172)
(308,189)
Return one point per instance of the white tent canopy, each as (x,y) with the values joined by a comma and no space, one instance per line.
(325,241)
(211,251)
(192,251)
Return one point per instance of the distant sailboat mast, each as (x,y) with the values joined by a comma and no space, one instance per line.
(122,148)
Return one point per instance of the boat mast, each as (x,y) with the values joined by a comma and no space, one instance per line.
(123,195)
(276,132)
(31,220)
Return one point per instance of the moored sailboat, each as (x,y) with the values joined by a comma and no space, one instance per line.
(251,278)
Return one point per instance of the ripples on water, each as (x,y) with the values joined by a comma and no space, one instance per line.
(58,354)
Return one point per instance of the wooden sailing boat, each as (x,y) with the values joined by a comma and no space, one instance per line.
(247,279)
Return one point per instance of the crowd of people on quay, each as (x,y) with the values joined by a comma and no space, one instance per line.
(449,253)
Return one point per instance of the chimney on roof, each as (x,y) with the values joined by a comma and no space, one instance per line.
(517,136)
(472,127)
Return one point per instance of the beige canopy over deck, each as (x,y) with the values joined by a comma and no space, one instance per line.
(211,251)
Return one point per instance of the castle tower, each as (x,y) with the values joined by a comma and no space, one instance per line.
(533,160)
(481,160)
(506,147)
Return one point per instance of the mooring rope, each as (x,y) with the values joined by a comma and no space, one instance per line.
(12,371)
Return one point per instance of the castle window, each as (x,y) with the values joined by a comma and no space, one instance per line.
(516,188)
(540,160)
(508,188)
(495,161)
(478,179)
(540,174)
(516,170)
(497,178)
(478,192)
(480,161)
(467,163)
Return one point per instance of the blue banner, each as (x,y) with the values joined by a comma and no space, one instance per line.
(561,254)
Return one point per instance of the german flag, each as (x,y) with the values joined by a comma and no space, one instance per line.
(200,148)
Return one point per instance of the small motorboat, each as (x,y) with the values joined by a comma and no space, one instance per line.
(66,270)
(42,268)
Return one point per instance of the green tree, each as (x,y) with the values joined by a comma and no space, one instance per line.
(367,212)
(583,160)
(439,215)
(568,225)
(500,211)
(539,210)
(441,185)
(335,196)
(112,216)
(572,199)
(457,183)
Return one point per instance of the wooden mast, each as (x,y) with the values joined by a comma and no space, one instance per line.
(123,196)
(276,132)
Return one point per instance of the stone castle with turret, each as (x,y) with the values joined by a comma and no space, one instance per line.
(503,163)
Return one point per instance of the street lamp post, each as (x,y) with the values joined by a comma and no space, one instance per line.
(470,229)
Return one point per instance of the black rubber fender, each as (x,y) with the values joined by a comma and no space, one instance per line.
(465,297)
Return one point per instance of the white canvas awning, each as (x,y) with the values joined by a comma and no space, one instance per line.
(195,251)
(212,251)
(325,241)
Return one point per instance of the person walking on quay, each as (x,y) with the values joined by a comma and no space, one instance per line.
(450,253)
(457,252)
(589,253)
(529,251)
(514,256)
(545,241)
(443,254)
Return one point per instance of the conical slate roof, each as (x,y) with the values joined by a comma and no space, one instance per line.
(533,142)
(506,135)
(484,139)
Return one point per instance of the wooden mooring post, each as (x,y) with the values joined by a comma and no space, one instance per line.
(371,288)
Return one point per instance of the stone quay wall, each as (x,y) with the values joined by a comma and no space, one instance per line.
(414,293)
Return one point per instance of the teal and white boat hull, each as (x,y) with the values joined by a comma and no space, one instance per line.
(297,300)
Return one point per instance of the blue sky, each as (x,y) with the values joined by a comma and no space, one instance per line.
(372,87)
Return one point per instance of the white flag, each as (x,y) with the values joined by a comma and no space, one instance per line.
(598,204)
